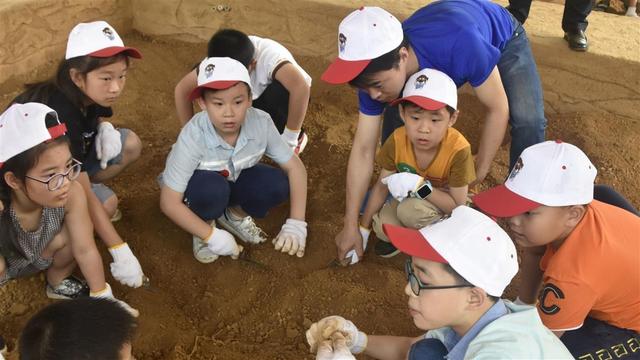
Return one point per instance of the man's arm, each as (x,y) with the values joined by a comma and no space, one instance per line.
(492,95)
(359,171)
(299,93)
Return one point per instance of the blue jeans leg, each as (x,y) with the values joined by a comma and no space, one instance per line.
(207,194)
(524,93)
(259,189)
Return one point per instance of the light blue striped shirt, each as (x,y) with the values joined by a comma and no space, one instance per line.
(199,147)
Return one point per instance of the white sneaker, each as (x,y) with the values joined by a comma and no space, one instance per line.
(202,252)
(245,229)
(302,143)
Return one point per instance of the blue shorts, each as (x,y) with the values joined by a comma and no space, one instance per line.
(92,164)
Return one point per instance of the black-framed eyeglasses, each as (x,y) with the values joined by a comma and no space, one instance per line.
(416,285)
(55,181)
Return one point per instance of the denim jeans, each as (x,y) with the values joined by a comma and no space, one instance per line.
(256,190)
(524,93)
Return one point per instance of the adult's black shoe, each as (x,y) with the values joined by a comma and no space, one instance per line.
(577,40)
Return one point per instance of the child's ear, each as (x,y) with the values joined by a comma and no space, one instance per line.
(11,180)
(77,77)
(575,214)
(200,101)
(476,298)
(454,118)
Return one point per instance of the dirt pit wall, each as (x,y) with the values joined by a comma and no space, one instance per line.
(237,310)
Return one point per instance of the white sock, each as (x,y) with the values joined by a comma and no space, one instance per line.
(631,11)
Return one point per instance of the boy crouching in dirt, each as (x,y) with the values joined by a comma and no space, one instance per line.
(427,165)
(213,170)
(459,268)
(582,255)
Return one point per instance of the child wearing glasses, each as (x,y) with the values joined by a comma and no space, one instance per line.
(88,82)
(459,268)
(45,224)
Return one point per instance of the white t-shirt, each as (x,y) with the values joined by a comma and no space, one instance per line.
(269,55)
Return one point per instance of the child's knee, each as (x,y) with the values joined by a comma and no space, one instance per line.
(58,243)
(132,148)
(207,194)
(110,205)
(417,213)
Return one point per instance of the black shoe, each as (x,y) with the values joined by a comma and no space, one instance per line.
(69,288)
(577,40)
(385,249)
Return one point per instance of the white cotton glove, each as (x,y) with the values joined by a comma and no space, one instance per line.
(291,137)
(401,184)
(364,232)
(324,330)
(222,243)
(334,349)
(108,143)
(108,294)
(125,266)
(292,238)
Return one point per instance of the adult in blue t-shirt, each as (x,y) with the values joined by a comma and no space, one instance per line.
(472,41)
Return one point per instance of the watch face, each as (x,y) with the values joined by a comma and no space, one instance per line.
(424,191)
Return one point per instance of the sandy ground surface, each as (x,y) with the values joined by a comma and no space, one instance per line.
(236,310)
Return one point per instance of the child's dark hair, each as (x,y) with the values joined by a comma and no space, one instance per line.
(231,43)
(85,328)
(462,281)
(19,165)
(40,92)
(407,103)
(384,62)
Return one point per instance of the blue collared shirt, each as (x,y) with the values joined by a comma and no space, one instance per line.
(457,346)
(199,147)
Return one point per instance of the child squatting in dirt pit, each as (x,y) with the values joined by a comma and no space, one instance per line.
(581,254)
(426,158)
(213,170)
(459,268)
(86,85)
(96,329)
(45,224)
(279,85)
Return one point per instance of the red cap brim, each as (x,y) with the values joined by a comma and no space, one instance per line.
(115,50)
(423,102)
(215,85)
(502,202)
(411,242)
(342,71)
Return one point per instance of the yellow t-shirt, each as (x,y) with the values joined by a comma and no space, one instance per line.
(452,166)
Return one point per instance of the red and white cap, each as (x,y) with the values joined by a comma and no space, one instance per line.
(552,173)
(473,244)
(24,126)
(219,73)
(430,89)
(97,39)
(365,34)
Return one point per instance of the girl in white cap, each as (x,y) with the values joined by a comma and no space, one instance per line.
(44,224)
(86,85)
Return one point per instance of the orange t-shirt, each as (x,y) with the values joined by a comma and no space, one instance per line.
(595,272)
(452,166)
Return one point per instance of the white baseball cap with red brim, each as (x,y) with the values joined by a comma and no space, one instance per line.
(552,173)
(469,241)
(430,89)
(365,34)
(219,73)
(97,39)
(23,126)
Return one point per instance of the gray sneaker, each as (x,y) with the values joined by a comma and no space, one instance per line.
(244,229)
(69,288)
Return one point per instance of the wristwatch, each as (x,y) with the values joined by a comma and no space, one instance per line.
(423,190)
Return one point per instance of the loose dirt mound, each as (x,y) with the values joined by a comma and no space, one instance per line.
(237,310)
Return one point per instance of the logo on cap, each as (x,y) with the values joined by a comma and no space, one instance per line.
(208,71)
(420,81)
(108,33)
(516,168)
(342,41)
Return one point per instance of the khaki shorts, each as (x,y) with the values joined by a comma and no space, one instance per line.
(411,213)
